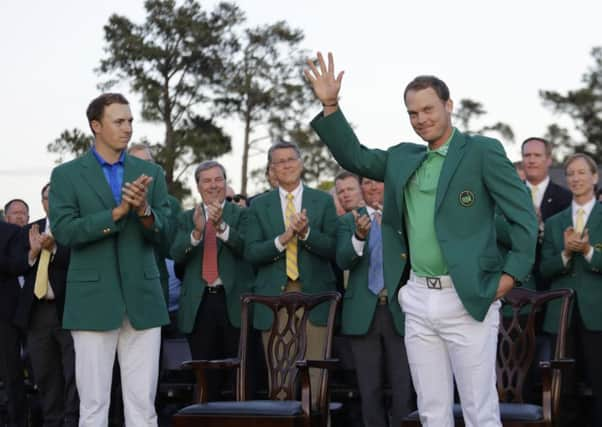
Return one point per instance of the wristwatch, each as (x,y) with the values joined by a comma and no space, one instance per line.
(221,227)
(147,211)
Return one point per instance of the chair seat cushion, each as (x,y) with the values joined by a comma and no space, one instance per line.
(268,408)
(508,412)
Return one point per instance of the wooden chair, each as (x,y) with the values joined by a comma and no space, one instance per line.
(287,343)
(515,354)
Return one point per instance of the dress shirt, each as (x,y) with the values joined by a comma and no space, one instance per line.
(541,189)
(297,202)
(358,245)
(113,174)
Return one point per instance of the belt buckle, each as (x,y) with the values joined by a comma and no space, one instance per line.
(433,283)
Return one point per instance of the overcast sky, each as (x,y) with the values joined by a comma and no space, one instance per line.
(499,53)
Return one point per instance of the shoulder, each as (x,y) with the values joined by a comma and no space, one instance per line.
(407,148)
(263,199)
(70,165)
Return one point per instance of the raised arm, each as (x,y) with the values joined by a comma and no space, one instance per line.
(325,85)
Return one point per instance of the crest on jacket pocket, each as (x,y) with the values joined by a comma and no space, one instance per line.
(467,198)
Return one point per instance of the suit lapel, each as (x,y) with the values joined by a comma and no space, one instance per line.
(130,171)
(95,177)
(410,163)
(452,160)
(593,222)
(226,216)
(274,212)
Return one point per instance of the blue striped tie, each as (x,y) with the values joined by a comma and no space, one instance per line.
(376,280)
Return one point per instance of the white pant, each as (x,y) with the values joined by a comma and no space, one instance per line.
(443,341)
(138,353)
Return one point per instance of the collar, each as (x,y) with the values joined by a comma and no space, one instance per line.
(296,192)
(541,186)
(371,211)
(587,207)
(103,162)
(442,151)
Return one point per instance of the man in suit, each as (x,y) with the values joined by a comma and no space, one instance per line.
(572,258)
(372,320)
(210,243)
(439,213)
(348,191)
(40,314)
(13,263)
(548,197)
(110,209)
(16,212)
(291,241)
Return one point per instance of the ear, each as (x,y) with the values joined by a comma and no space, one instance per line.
(449,106)
(96,126)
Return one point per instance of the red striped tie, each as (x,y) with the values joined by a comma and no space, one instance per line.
(210,273)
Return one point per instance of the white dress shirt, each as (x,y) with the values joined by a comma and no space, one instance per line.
(358,245)
(297,202)
(541,189)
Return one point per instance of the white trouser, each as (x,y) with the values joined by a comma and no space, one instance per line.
(443,341)
(138,353)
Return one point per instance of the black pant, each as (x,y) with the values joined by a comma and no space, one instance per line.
(380,358)
(53,362)
(11,371)
(214,337)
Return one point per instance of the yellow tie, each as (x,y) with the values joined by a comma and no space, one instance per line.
(579,220)
(534,194)
(40,288)
(292,269)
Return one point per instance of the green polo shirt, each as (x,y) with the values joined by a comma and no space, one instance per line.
(420,194)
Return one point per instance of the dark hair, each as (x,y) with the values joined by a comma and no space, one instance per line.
(44,188)
(424,82)
(544,141)
(96,108)
(281,145)
(593,167)
(208,164)
(346,174)
(10,202)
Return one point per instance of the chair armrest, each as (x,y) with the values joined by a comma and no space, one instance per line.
(322,364)
(199,366)
(212,364)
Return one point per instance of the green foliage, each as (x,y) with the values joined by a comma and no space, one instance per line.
(72,143)
(469,110)
(584,106)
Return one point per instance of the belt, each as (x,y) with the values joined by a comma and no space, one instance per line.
(218,289)
(382,300)
(432,282)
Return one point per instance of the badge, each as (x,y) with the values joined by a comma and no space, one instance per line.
(598,246)
(467,198)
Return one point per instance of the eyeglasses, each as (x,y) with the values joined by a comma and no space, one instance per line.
(236,199)
(284,161)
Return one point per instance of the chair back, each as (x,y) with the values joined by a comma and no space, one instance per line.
(517,340)
(287,342)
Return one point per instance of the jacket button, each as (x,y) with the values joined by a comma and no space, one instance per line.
(403,256)
(282,288)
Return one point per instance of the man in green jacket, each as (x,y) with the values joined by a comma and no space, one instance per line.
(110,209)
(290,239)
(209,242)
(439,213)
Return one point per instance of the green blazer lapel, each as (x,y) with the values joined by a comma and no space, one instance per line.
(452,160)
(308,202)
(567,219)
(227,217)
(92,174)
(130,171)
(595,217)
(274,212)
(407,167)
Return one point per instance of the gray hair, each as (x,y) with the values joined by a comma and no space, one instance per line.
(141,146)
(208,164)
(281,145)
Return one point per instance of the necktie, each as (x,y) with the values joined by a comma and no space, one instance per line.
(292,269)
(376,279)
(579,220)
(40,288)
(210,273)
(534,194)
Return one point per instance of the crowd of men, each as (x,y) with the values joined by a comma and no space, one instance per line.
(408,235)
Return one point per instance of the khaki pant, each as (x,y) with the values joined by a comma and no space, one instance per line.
(316,341)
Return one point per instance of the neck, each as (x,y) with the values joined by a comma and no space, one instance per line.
(107,153)
(584,198)
(289,187)
(433,145)
(537,181)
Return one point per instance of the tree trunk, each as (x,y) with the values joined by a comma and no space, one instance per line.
(245,155)
(169,139)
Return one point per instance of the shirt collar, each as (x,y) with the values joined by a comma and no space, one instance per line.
(444,148)
(103,162)
(371,211)
(587,207)
(541,186)
(296,192)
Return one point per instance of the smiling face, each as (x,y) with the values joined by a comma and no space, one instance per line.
(114,129)
(212,185)
(287,167)
(430,116)
(581,179)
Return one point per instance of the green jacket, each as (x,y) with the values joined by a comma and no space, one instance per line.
(359,303)
(314,254)
(476,176)
(163,247)
(582,276)
(235,273)
(112,272)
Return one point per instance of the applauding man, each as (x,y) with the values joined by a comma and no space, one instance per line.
(110,208)
(439,213)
